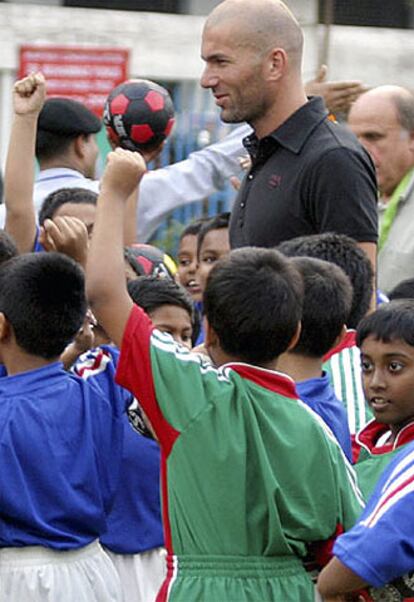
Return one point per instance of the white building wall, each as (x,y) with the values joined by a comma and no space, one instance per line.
(167,47)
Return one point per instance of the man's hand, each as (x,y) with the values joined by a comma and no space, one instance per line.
(338,96)
(66,235)
(29,95)
(124,170)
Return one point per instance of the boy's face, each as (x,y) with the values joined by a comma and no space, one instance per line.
(215,245)
(187,266)
(86,212)
(388,380)
(174,320)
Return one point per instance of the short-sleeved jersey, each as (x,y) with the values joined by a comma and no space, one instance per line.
(134,521)
(247,468)
(343,365)
(61,444)
(371,458)
(319,395)
(380,547)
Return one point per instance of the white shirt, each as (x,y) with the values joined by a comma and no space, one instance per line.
(161,190)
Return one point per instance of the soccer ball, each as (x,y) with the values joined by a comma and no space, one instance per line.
(138,115)
(147,260)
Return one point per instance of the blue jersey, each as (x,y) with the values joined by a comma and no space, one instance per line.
(61,444)
(319,395)
(380,547)
(134,522)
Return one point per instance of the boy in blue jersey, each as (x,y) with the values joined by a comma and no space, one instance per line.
(326,306)
(134,538)
(61,442)
(379,550)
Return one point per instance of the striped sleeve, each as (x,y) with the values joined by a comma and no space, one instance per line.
(380,547)
(97,366)
(344,371)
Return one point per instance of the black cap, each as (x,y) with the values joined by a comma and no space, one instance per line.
(67,117)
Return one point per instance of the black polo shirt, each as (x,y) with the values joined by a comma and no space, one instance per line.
(310,175)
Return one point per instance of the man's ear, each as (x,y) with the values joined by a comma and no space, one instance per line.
(79,144)
(5,328)
(294,340)
(276,64)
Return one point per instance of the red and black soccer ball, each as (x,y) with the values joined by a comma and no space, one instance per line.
(147,260)
(138,115)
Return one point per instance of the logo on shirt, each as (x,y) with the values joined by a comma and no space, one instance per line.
(275,181)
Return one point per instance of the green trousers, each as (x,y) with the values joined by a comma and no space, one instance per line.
(239,579)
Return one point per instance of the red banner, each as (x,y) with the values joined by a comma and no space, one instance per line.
(82,73)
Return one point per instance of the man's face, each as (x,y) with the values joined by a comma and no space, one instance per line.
(374,121)
(233,72)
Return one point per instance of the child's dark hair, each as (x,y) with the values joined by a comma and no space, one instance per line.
(193,228)
(43,297)
(218,222)
(326,305)
(391,321)
(344,252)
(253,301)
(57,198)
(403,290)
(151,293)
(8,247)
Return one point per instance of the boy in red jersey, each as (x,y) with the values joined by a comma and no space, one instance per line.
(240,509)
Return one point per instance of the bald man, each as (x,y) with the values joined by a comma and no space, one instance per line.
(383,120)
(308,174)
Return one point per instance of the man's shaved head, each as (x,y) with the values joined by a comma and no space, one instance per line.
(401,98)
(263,24)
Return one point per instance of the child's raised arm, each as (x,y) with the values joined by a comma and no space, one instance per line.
(105,273)
(28,98)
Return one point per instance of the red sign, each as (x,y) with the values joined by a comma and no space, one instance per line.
(82,73)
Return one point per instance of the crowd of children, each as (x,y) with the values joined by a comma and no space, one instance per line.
(190,436)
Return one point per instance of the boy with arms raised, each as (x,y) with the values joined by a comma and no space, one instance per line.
(249,476)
